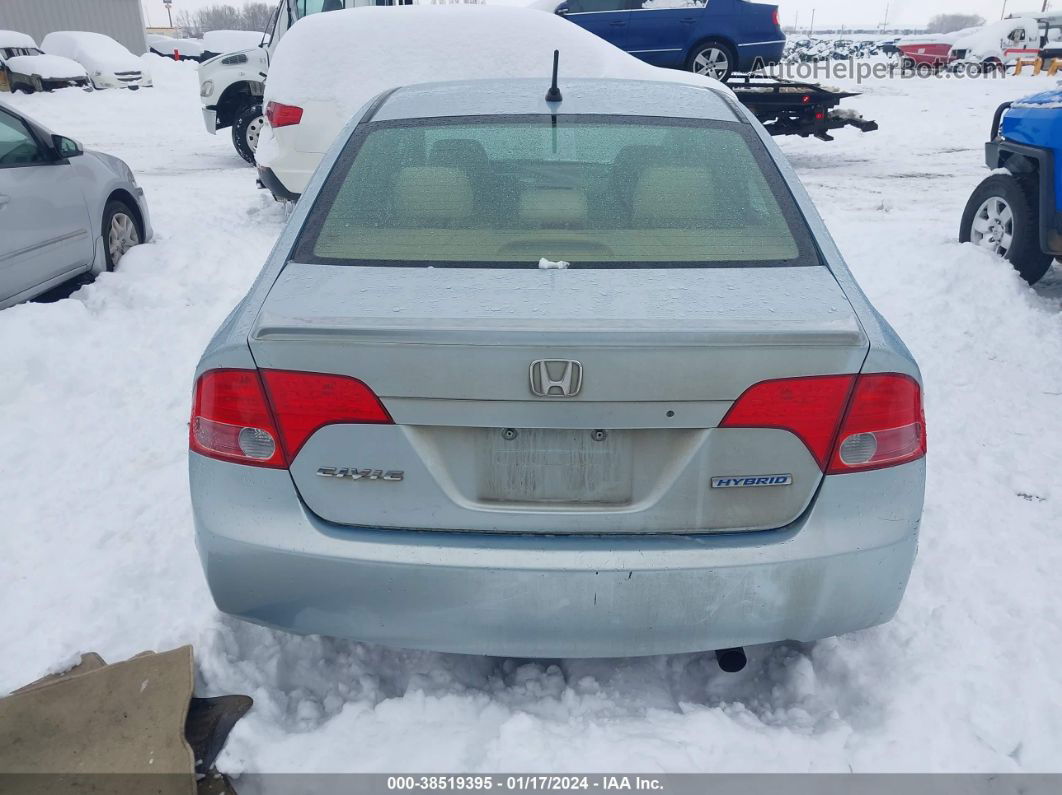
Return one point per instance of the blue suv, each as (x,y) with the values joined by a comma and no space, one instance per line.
(1017,212)
(713,38)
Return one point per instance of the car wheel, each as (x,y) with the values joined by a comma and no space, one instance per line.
(120,232)
(246,130)
(1002,216)
(713,59)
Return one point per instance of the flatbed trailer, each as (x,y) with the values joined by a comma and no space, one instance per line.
(805,109)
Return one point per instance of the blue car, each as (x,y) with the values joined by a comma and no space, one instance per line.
(1018,215)
(713,38)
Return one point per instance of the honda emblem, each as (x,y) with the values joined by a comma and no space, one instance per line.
(556,378)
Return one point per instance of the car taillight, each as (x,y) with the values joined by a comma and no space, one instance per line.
(810,408)
(777,19)
(303,403)
(279,115)
(263,418)
(231,420)
(883,425)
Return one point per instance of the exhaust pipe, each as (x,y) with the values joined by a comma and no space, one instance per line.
(731,660)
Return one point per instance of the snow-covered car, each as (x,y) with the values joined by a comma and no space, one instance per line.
(573,374)
(1016,213)
(998,45)
(26,68)
(108,63)
(64,211)
(231,85)
(382,48)
(170,47)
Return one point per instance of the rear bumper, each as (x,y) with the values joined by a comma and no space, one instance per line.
(272,183)
(842,567)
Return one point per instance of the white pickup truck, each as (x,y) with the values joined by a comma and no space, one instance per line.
(231,85)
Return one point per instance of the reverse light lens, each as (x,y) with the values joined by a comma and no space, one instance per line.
(207,88)
(859,449)
(256,443)
(279,115)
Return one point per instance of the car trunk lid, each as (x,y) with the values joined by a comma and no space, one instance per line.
(659,355)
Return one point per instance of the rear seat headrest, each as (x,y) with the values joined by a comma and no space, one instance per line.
(432,196)
(674,196)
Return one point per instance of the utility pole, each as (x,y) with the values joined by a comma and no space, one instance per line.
(1004,14)
(811,32)
(885,22)
(169,12)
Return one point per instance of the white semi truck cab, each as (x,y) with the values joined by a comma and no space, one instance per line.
(231,85)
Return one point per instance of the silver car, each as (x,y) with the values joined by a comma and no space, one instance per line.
(64,212)
(578,378)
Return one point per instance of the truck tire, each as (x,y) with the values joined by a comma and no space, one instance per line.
(1003,216)
(246,128)
(712,58)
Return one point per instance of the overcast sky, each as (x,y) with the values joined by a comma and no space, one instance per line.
(832,13)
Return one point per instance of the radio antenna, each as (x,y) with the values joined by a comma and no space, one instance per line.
(554,94)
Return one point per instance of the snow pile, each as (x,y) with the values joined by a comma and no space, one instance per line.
(94,51)
(226,41)
(375,49)
(12,38)
(96,540)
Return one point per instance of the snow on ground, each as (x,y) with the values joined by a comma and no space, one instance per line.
(96,548)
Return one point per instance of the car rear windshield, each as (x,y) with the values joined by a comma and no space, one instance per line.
(590,191)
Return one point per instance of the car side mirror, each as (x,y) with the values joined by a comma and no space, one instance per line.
(67,147)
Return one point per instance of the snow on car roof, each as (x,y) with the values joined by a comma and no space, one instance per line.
(88,43)
(589,96)
(12,38)
(378,48)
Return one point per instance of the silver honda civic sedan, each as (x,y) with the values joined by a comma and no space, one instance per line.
(580,378)
(64,212)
